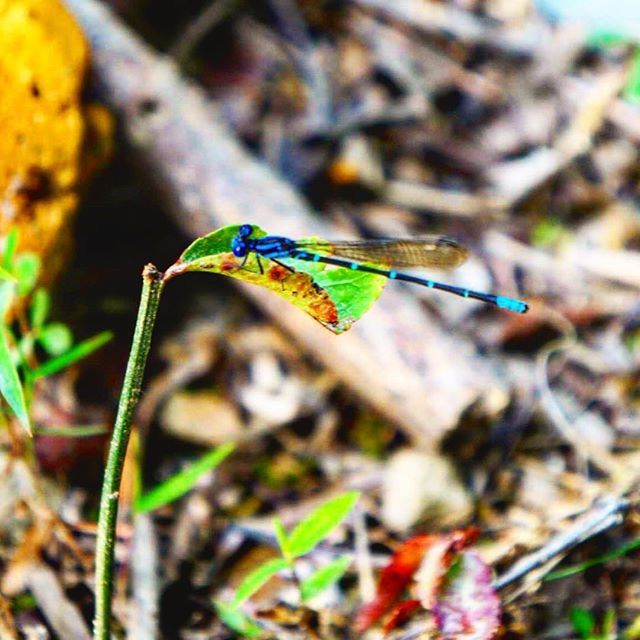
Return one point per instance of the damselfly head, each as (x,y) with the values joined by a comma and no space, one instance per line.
(239,244)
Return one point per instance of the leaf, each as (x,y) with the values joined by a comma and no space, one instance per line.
(56,338)
(281,536)
(632,90)
(9,249)
(334,296)
(426,558)
(437,561)
(467,607)
(7,297)
(39,309)
(324,577)
(400,614)
(10,384)
(26,270)
(237,620)
(582,622)
(319,523)
(81,350)
(79,431)
(394,579)
(183,481)
(572,570)
(6,275)
(258,578)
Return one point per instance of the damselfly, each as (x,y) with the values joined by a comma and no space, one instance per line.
(364,255)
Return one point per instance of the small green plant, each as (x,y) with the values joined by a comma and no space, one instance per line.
(585,625)
(302,540)
(24,335)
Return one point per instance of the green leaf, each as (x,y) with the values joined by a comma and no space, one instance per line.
(257,578)
(81,350)
(324,577)
(582,622)
(334,296)
(7,297)
(5,275)
(10,385)
(281,536)
(319,523)
(27,268)
(9,249)
(39,309)
(572,570)
(183,481)
(603,38)
(80,431)
(632,90)
(56,338)
(236,620)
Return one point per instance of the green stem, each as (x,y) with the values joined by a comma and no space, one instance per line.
(152,284)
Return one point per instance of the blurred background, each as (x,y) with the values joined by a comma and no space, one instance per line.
(512,126)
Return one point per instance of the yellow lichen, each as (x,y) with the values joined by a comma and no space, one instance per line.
(43,61)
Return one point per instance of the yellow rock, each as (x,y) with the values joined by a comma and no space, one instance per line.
(43,126)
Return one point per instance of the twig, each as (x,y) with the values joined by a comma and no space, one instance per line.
(435,17)
(586,451)
(144,580)
(211,15)
(514,179)
(574,285)
(422,196)
(305,58)
(152,285)
(606,513)
(366,582)
(62,615)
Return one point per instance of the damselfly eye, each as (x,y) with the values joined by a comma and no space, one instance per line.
(239,247)
(245,230)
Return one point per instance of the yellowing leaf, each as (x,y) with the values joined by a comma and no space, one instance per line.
(334,296)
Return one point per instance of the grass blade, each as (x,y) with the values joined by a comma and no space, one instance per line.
(587,564)
(81,431)
(183,481)
(10,384)
(81,350)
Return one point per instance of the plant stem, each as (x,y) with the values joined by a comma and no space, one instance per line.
(152,284)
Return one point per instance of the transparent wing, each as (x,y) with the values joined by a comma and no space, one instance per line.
(429,251)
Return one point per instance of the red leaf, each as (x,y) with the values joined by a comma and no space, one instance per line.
(394,579)
(437,561)
(467,607)
(399,614)
(404,563)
